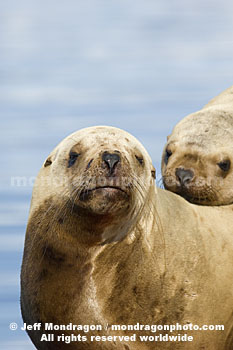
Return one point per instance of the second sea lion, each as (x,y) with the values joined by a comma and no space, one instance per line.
(197,160)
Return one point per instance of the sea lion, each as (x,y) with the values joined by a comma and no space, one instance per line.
(105,247)
(197,161)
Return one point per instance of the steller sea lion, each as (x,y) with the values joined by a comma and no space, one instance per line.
(105,247)
(197,160)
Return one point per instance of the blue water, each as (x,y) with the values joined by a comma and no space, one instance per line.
(140,65)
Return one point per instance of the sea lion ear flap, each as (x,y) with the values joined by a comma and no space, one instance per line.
(168,137)
(50,159)
(153,173)
(48,162)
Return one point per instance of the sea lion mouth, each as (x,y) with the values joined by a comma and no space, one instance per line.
(196,200)
(104,190)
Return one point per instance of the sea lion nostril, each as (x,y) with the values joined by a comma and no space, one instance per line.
(184,175)
(111,159)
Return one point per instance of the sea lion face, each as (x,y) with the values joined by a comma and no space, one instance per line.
(197,159)
(100,172)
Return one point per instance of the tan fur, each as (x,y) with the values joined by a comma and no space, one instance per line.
(199,142)
(152,259)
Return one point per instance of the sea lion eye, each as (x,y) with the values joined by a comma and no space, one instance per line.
(225,165)
(139,159)
(72,159)
(167,155)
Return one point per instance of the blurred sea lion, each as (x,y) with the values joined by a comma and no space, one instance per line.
(197,160)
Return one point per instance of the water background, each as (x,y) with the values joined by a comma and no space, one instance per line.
(140,65)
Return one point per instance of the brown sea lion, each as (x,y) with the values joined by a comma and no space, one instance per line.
(197,160)
(105,247)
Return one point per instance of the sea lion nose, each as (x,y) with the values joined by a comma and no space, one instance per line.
(111,159)
(184,175)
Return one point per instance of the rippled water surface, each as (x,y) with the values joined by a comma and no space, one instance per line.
(139,65)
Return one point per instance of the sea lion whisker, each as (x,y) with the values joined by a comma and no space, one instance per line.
(150,204)
(152,208)
(160,182)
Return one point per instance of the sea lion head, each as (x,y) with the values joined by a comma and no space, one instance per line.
(197,160)
(100,175)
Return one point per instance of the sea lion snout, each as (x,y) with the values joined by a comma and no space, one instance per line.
(184,176)
(111,160)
